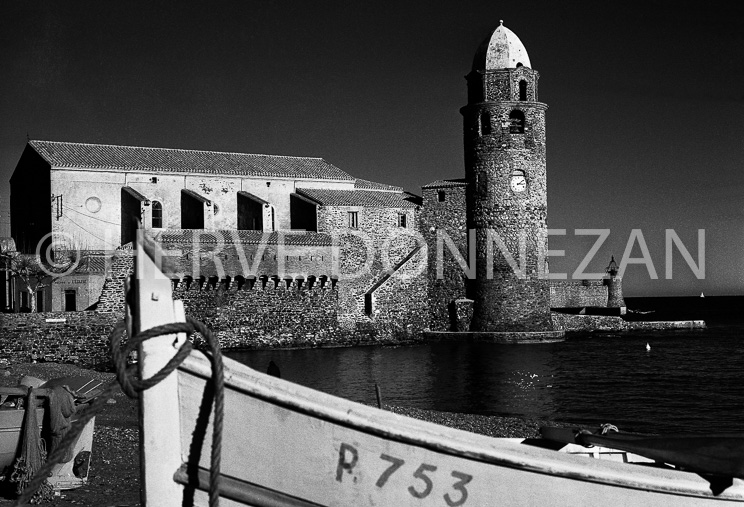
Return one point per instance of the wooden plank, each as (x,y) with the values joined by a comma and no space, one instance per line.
(245,493)
(159,410)
(39,392)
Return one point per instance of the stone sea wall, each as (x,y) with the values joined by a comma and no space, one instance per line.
(270,316)
(604,323)
(72,337)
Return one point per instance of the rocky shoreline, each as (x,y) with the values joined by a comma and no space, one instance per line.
(113,480)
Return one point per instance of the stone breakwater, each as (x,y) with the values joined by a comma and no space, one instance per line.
(585,323)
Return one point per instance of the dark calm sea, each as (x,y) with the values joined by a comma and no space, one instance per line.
(690,381)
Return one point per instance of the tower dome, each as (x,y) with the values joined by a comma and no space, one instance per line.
(501,50)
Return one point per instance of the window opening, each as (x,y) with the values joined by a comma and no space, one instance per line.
(485,123)
(157,215)
(481,184)
(353,219)
(441,195)
(523,90)
(516,122)
(402,220)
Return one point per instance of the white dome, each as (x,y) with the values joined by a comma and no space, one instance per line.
(502,50)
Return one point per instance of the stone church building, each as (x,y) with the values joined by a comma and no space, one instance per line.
(235,220)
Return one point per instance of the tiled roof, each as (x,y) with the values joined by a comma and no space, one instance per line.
(113,157)
(91,264)
(373,185)
(367,198)
(291,238)
(457,182)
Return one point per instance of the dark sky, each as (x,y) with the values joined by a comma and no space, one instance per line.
(645,125)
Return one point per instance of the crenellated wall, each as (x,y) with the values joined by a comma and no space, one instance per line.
(250,314)
(261,307)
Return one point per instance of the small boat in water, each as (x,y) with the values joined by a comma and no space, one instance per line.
(14,408)
(282,444)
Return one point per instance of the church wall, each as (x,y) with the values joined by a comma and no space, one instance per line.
(166,190)
(377,223)
(377,243)
(447,216)
(99,229)
(400,304)
(91,209)
(30,219)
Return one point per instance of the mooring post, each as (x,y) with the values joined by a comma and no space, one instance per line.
(379,396)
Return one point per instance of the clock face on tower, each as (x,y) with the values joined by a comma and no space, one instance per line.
(518,183)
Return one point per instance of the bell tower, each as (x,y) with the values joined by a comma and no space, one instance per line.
(506,196)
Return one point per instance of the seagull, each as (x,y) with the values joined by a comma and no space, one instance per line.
(648,347)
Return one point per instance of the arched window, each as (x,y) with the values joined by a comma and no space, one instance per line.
(516,122)
(157,215)
(485,123)
(523,90)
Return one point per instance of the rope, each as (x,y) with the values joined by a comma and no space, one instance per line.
(131,386)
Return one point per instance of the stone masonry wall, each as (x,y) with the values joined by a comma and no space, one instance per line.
(577,293)
(112,293)
(607,323)
(270,316)
(71,337)
(437,219)
(400,309)
(366,254)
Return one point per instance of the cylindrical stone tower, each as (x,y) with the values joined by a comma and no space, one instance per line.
(614,286)
(504,137)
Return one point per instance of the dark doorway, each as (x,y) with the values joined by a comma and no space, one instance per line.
(70,300)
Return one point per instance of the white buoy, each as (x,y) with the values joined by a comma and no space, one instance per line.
(648,347)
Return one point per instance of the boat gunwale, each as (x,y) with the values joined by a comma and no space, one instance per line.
(454,442)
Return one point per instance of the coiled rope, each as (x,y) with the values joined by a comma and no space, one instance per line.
(132,386)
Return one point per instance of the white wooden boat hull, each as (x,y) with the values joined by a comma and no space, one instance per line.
(317,449)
